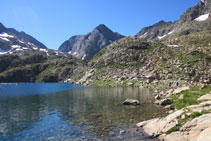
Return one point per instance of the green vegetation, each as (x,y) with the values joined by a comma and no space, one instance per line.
(189,97)
(97,56)
(48,70)
(80,74)
(103,83)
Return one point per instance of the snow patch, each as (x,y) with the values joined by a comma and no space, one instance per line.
(171,32)
(16,46)
(30,44)
(161,37)
(84,57)
(173,45)
(74,53)
(43,50)
(202,17)
(18,49)
(70,52)
(21,41)
(57,53)
(3,38)
(25,48)
(6,35)
(144,35)
(35,48)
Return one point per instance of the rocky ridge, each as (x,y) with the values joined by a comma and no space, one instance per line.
(162,29)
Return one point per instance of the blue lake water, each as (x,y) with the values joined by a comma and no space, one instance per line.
(63,111)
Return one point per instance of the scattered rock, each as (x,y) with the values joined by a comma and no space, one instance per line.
(131,102)
(165,102)
(205,97)
(130,84)
(203,86)
(157,97)
(181,96)
(183,117)
(122,132)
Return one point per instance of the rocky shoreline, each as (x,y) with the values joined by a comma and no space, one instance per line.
(189,117)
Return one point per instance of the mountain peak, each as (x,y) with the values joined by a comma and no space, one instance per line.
(86,46)
(102,28)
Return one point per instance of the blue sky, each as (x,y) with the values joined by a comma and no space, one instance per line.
(54,21)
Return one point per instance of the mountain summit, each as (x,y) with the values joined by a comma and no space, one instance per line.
(86,46)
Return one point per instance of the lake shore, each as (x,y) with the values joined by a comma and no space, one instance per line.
(188,117)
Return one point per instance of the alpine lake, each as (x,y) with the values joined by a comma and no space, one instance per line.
(63,111)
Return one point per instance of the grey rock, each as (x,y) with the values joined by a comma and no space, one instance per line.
(165,102)
(157,97)
(131,102)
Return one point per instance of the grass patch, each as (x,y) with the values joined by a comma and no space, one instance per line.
(103,83)
(189,97)
(97,56)
(46,71)
(80,74)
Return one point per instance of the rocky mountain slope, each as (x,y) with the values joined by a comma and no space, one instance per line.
(131,61)
(160,30)
(86,46)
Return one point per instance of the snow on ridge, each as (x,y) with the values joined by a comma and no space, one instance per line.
(25,48)
(6,35)
(202,17)
(4,38)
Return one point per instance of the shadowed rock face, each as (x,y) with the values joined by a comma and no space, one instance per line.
(163,29)
(86,46)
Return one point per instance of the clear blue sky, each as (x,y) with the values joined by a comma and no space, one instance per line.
(54,21)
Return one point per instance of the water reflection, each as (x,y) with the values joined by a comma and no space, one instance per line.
(82,113)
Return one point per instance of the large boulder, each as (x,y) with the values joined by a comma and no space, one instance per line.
(131,102)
